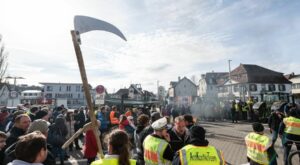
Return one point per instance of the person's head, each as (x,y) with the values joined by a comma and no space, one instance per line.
(39,125)
(143,120)
(118,144)
(31,148)
(294,113)
(22,121)
(122,118)
(103,109)
(189,120)
(60,120)
(114,108)
(155,116)
(3,138)
(17,113)
(197,132)
(42,114)
(34,110)
(130,119)
(179,126)
(258,128)
(160,127)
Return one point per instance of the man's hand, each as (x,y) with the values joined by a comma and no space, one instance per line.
(167,137)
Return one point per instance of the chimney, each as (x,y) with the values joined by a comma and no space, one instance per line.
(178,78)
(202,76)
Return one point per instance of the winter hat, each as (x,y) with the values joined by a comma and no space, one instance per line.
(38,125)
(189,118)
(258,127)
(197,132)
(155,116)
(40,114)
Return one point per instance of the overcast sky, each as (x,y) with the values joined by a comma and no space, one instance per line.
(166,39)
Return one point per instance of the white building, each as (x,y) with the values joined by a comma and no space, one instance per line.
(255,81)
(32,97)
(295,79)
(209,82)
(71,92)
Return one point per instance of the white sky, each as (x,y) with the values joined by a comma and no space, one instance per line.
(166,39)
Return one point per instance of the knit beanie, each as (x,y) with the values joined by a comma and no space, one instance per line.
(197,132)
(38,125)
(40,114)
(258,127)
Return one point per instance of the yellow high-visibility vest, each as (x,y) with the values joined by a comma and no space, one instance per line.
(292,125)
(201,155)
(154,149)
(111,161)
(257,146)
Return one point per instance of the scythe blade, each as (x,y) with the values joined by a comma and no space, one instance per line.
(84,24)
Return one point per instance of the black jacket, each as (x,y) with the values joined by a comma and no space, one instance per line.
(14,134)
(178,142)
(274,121)
(140,151)
(10,155)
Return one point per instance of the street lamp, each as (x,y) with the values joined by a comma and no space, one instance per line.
(13,93)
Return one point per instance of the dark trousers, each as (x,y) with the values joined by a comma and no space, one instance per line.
(234,116)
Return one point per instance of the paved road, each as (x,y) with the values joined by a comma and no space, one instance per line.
(229,138)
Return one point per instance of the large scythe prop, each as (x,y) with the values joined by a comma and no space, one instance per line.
(84,24)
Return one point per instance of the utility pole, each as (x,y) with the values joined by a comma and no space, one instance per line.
(230,83)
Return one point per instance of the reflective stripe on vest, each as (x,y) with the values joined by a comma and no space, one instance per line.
(257,146)
(153,150)
(292,125)
(111,161)
(202,155)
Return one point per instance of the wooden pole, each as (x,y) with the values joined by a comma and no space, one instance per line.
(87,91)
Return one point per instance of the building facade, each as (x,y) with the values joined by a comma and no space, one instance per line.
(209,82)
(295,79)
(255,81)
(183,92)
(70,93)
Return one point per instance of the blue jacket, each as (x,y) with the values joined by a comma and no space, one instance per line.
(104,122)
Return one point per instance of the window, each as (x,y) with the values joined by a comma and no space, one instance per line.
(60,88)
(281,87)
(78,88)
(272,87)
(79,95)
(49,88)
(68,88)
(235,88)
(253,87)
(48,95)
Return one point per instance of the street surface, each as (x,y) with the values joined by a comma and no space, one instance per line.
(229,138)
(224,135)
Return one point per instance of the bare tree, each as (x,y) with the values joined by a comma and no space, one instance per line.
(3,60)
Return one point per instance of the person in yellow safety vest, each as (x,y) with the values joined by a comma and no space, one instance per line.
(157,150)
(290,126)
(198,152)
(118,150)
(260,150)
(113,116)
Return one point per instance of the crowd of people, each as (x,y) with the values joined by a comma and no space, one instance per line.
(132,136)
